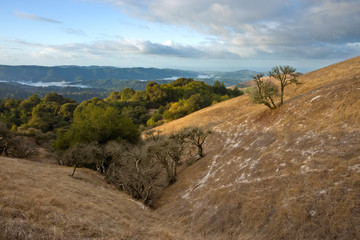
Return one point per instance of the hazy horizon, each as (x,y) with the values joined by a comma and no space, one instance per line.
(199,36)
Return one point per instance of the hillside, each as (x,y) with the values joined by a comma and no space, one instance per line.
(79,73)
(291,173)
(41,201)
(109,77)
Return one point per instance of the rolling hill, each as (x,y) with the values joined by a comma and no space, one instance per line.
(41,201)
(291,173)
(109,77)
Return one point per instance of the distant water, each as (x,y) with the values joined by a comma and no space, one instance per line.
(205,76)
(53,84)
(201,76)
(171,78)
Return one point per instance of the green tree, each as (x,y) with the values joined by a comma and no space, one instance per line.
(27,105)
(286,75)
(66,111)
(219,88)
(180,82)
(155,119)
(157,96)
(97,122)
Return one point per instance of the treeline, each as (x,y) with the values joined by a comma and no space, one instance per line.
(46,114)
(122,115)
(169,101)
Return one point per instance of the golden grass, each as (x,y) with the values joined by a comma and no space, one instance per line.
(292,173)
(41,201)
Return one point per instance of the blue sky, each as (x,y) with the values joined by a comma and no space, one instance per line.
(222,35)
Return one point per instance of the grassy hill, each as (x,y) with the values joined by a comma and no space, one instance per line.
(41,201)
(291,173)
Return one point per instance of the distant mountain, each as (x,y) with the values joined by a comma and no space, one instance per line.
(75,74)
(21,91)
(80,80)
(229,78)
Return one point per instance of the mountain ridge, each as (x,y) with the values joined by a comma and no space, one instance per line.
(73,73)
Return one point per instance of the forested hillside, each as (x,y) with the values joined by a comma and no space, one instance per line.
(75,74)
(155,105)
(82,83)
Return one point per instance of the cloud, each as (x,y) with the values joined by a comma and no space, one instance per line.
(34,17)
(73,31)
(257,27)
(125,46)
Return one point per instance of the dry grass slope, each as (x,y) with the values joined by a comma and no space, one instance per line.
(41,201)
(292,173)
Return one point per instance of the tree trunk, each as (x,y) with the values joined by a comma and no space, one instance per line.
(274,105)
(73,172)
(200,151)
(282,94)
(173,173)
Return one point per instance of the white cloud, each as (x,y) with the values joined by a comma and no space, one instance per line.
(231,30)
(250,28)
(35,17)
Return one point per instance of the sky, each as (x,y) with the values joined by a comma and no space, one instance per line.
(200,35)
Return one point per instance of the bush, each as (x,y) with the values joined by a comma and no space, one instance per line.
(134,172)
(89,155)
(13,146)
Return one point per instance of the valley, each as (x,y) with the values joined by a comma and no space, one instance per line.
(290,173)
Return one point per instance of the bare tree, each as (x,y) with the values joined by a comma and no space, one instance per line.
(153,135)
(168,152)
(264,92)
(196,136)
(12,145)
(6,142)
(88,155)
(134,172)
(286,75)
